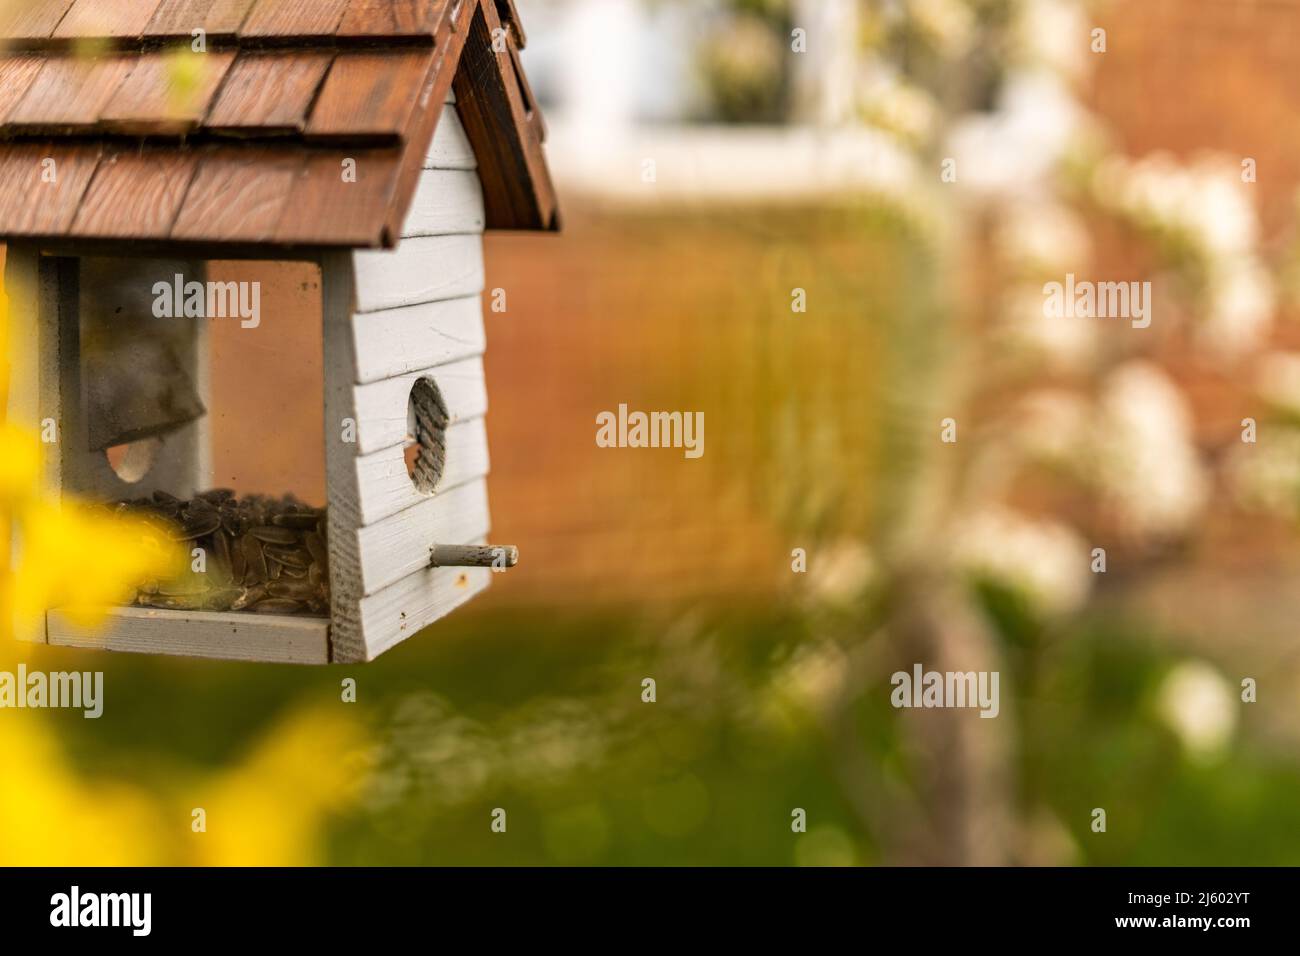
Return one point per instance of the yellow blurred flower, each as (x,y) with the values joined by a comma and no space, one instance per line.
(267,812)
(51,817)
(20,460)
(82,559)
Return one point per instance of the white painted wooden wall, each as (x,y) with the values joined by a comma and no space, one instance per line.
(391,318)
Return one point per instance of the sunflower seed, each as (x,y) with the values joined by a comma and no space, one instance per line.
(273,535)
(249,597)
(238,562)
(288,588)
(198,525)
(293,557)
(173,603)
(222,599)
(222,557)
(185,587)
(257,571)
(316,548)
(301,521)
(277,606)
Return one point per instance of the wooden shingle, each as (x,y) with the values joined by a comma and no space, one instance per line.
(269,93)
(166,93)
(32,21)
(370,95)
(238,195)
(376,19)
(285,20)
(326,183)
(116,19)
(69,94)
(180,18)
(16,76)
(134,194)
(45,183)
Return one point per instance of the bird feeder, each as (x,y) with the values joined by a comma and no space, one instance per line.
(245,267)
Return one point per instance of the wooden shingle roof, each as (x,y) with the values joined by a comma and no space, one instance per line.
(302,123)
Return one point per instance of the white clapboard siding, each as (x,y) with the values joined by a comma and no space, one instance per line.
(235,636)
(410,313)
(423,269)
(381,407)
(450,148)
(447,202)
(401,610)
(396,341)
(399,544)
(385,485)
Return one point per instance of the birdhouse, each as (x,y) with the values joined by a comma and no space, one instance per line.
(245,271)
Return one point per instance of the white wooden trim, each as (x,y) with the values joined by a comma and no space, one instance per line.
(447,202)
(450,148)
(386,487)
(380,408)
(399,545)
(396,341)
(237,636)
(347,643)
(403,609)
(422,269)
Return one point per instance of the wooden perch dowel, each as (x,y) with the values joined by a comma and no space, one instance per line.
(473,556)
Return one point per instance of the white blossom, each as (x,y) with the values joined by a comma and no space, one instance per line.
(1199,706)
(1145,461)
(1053,425)
(1044,561)
(1016,149)
(1053,33)
(840,572)
(1045,237)
(1240,309)
(1265,476)
(949,24)
(1063,342)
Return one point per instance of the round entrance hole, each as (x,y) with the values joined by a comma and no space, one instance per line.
(132,461)
(426,435)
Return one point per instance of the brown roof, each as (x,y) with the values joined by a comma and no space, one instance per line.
(244,145)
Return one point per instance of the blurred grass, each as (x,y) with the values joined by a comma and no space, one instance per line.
(542,716)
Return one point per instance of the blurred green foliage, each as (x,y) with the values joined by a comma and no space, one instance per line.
(541,714)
